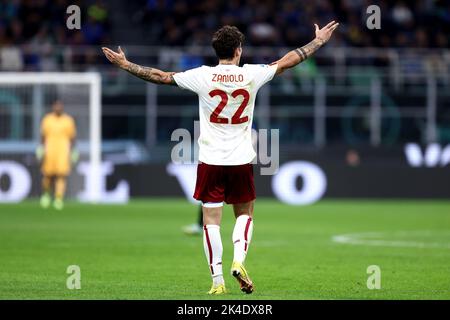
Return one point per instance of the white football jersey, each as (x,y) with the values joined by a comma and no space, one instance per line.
(227,96)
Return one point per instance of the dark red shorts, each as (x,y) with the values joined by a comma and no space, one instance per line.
(232,184)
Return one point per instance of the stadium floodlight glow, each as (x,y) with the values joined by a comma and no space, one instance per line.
(93,81)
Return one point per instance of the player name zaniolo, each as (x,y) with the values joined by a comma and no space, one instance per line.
(227,77)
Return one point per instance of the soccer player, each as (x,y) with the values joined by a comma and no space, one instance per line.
(197,227)
(227,95)
(57,135)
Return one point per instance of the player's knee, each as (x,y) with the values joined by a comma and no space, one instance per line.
(212,214)
(244,208)
(211,219)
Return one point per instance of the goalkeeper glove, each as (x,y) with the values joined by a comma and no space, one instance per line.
(75,156)
(40,152)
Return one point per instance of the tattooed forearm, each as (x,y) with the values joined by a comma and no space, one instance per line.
(150,74)
(307,50)
(294,57)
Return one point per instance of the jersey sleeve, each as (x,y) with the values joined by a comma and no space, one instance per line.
(262,73)
(72,129)
(44,126)
(190,79)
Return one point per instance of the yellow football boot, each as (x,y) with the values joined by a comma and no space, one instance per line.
(238,271)
(45,200)
(58,204)
(220,289)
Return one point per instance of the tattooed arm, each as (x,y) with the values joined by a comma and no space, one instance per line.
(150,74)
(294,57)
(145,73)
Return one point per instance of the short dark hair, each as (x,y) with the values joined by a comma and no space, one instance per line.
(226,40)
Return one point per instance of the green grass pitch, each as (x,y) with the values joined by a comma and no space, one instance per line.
(137,251)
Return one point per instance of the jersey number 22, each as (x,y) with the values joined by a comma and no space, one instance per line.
(236,118)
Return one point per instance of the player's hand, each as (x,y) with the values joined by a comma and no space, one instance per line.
(40,152)
(325,33)
(118,58)
(74,156)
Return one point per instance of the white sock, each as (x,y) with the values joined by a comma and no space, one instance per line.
(242,235)
(212,243)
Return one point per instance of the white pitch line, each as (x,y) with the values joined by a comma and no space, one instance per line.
(361,239)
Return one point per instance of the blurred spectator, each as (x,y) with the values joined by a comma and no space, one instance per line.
(93,31)
(352,158)
(10,58)
(401,14)
(442,40)
(32,30)
(436,66)
(290,23)
(191,58)
(421,23)
(98,12)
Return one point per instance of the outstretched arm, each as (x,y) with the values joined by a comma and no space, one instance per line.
(294,57)
(146,73)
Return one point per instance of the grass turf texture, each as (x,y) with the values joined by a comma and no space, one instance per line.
(138,251)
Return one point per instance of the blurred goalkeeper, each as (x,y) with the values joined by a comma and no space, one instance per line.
(56,152)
